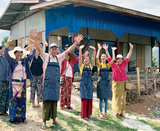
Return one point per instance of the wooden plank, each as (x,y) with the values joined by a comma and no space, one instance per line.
(19,43)
(138,81)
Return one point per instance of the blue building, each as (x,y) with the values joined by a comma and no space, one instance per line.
(105,23)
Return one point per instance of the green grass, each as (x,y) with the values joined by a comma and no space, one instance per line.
(28,103)
(156,115)
(128,111)
(71,121)
(152,124)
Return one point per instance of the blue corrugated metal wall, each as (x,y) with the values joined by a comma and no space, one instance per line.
(75,18)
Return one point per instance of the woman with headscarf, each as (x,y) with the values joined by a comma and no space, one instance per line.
(18,72)
(4,84)
(118,83)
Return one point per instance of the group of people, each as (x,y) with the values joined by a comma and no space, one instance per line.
(45,70)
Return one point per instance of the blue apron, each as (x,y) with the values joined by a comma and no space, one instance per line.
(86,84)
(51,89)
(103,84)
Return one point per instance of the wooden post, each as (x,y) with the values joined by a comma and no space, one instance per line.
(138,81)
(146,78)
(159,57)
(73,35)
(117,45)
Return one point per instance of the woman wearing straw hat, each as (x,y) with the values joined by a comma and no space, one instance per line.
(67,73)
(18,72)
(119,77)
(4,84)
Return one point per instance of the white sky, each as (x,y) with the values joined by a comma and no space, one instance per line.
(148,6)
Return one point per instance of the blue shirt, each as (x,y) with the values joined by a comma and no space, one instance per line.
(3,68)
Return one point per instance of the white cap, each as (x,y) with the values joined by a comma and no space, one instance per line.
(119,56)
(53,45)
(11,53)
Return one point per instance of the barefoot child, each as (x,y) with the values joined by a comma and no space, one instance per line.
(86,83)
(103,84)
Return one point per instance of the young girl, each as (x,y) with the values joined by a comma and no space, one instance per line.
(86,84)
(103,84)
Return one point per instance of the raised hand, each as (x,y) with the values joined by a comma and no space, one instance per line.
(114,48)
(33,33)
(86,53)
(99,46)
(26,42)
(78,38)
(81,47)
(105,46)
(131,46)
(59,38)
(10,39)
(46,43)
(92,47)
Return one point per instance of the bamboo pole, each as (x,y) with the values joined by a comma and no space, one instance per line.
(146,78)
(138,81)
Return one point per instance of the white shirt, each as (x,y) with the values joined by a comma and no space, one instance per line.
(19,72)
(46,56)
(68,70)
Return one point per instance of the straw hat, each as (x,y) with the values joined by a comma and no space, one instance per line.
(11,53)
(72,56)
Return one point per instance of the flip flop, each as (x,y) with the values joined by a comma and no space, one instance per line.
(122,115)
(101,117)
(70,108)
(57,124)
(38,106)
(64,108)
(44,127)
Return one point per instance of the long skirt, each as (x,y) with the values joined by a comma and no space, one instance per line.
(17,106)
(49,110)
(36,86)
(86,107)
(4,96)
(65,95)
(119,96)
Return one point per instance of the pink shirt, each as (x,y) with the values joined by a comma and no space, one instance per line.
(119,72)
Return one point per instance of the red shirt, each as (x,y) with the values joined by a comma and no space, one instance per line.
(71,62)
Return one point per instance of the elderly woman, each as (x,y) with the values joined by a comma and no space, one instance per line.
(119,78)
(18,72)
(86,83)
(4,84)
(67,71)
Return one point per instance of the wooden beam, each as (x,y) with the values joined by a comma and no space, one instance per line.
(79,4)
(138,81)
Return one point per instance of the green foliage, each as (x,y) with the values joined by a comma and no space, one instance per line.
(154,63)
(4,41)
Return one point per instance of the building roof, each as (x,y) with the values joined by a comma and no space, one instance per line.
(12,11)
(97,5)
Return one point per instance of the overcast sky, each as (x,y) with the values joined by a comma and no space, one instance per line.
(148,6)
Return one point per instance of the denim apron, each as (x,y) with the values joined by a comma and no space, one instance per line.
(51,89)
(103,84)
(86,84)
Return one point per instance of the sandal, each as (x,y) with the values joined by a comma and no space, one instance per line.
(38,106)
(101,116)
(122,115)
(43,127)
(70,108)
(105,117)
(4,114)
(34,106)
(64,108)
(24,122)
(117,115)
(57,124)
(86,118)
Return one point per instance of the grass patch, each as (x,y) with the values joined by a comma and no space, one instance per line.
(128,111)
(156,115)
(152,124)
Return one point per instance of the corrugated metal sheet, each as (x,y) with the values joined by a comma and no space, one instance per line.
(75,18)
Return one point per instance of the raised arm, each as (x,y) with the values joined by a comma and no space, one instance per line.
(93,56)
(59,44)
(34,35)
(106,49)
(80,55)
(130,51)
(6,50)
(46,46)
(77,40)
(70,39)
(113,55)
(97,56)
(86,43)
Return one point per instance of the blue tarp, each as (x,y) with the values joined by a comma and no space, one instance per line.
(76,17)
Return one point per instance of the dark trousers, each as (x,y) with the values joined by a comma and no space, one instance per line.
(49,110)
